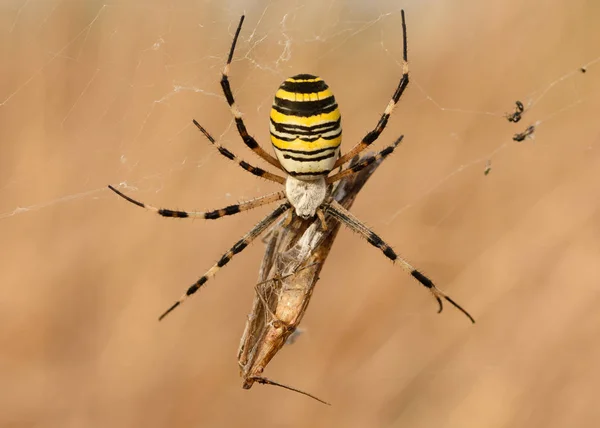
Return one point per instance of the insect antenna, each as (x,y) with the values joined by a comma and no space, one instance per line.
(265,381)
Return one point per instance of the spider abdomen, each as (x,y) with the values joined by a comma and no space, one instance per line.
(306,129)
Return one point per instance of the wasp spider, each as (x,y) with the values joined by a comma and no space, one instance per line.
(306,134)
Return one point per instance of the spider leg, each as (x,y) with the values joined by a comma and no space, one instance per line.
(259,172)
(209,215)
(237,115)
(374,134)
(365,162)
(348,219)
(237,248)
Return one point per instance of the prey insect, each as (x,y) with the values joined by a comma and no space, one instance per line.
(525,134)
(294,257)
(306,132)
(517,114)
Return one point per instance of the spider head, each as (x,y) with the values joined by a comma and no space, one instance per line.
(306,196)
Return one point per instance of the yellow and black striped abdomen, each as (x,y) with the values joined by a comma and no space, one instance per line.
(306,129)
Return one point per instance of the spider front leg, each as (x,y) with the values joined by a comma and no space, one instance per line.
(374,134)
(349,220)
(238,247)
(237,115)
(353,169)
(208,215)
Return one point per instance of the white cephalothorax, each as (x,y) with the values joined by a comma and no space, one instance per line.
(305,195)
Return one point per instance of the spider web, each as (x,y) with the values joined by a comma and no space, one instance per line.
(96,93)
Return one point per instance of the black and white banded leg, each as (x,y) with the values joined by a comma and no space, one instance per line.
(237,115)
(349,220)
(353,169)
(237,248)
(374,134)
(259,172)
(208,215)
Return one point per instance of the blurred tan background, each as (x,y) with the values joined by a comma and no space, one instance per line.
(93,93)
